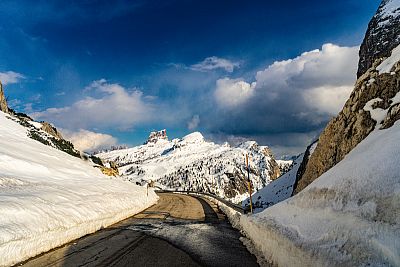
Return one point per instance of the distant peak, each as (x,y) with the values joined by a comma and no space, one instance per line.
(252,145)
(194,137)
(157,135)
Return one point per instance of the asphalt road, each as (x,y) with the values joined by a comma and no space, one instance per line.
(180,230)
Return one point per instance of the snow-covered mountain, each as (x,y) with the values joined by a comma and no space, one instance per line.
(281,188)
(192,163)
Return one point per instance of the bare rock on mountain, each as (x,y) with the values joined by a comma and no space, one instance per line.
(157,135)
(48,128)
(274,171)
(3,101)
(354,122)
(383,34)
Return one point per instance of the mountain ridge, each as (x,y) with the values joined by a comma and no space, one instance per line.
(192,163)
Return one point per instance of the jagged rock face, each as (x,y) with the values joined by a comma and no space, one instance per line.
(354,122)
(3,101)
(303,165)
(158,135)
(48,128)
(274,171)
(382,36)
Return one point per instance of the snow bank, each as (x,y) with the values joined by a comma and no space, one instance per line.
(348,216)
(48,198)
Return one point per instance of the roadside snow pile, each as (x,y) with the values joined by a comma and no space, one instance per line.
(48,198)
(348,216)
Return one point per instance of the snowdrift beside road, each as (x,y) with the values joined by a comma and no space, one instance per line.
(349,216)
(48,198)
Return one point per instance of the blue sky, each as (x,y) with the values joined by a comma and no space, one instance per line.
(109,72)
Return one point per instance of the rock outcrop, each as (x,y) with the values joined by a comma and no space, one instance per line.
(50,129)
(274,171)
(3,101)
(158,135)
(355,122)
(383,35)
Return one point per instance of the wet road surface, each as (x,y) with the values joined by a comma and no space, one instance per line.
(180,230)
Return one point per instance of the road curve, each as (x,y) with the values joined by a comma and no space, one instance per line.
(180,230)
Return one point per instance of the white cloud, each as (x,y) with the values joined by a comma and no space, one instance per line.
(194,122)
(212,63)
(85,140)
(116,107)
(323,78)
(230,93)
(10,77)
(328,99)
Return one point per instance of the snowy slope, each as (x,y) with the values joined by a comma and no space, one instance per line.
(387,65)
(276,191)
(191,163)
(285,165)
(349,216)
(281,188)
(48,197)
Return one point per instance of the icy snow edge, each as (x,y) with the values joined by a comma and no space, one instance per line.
(347,217)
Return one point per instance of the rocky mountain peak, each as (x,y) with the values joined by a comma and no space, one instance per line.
(157,135)
(3,101)
(382,36)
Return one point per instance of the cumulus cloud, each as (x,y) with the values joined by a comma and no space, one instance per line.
(230,93)
(194,122)
(88,141)
(106,105)
(317,75)
(327,99)
(294,96)
(213,63)
(10,77)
